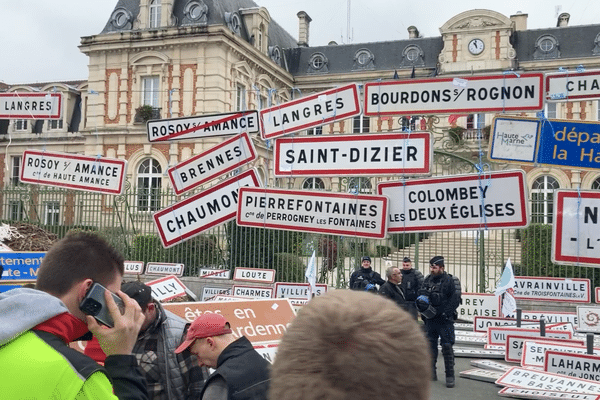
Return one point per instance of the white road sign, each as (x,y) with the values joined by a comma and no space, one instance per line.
(134,267)
(588,318)
(220,273)
(214,162)
(522,393)
(369,154)
(202,211)
(313,211)
(574,290)
(73,171)
(478,304)
(480,323)
(550,317)
(570,86)
(576,228)
(209,293)
(258,275)
(297,291)
(584,366)
(494,200)
(498,334)
(156,268)
(30,105)
(254,292)
(310,111)
(514,139)
(454,95)
(202,126)
(534,352)
(531,378)
(515,344)
(167,288)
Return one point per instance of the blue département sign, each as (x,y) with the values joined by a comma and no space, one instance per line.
(567,143)
(21,266)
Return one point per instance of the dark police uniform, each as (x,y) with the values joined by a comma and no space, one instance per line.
(364,276)
(412,280)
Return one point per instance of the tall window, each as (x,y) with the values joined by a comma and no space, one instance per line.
(150,91)
(361,124)
(313,183)
(21,125)
(239,97)
(55,124)
(15,170)
(475,121)
(360,185)
(15,210)
(542,196)
(550,110)
(149,185)
(51,212)
(154,14)
(315,131)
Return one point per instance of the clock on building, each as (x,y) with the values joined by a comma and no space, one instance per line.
(476,46)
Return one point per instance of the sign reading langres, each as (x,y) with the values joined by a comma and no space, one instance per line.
(204,126)
(574,290)
(30,105)
(202,211)
(510,92)
(494,200)
(313,211)
(94,174)
(370,154)
(216,161)
(310,111)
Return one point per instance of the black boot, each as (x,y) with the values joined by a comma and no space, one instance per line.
(448,354)
(434,356)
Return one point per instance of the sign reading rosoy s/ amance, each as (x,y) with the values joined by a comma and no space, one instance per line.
(312,211)
(73,171)
(370,154)
(200,212)
(494,200)
(450,95)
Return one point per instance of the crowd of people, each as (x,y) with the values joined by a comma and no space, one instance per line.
(150,353)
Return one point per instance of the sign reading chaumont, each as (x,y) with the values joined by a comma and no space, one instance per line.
(313,211)
(73,171)
(369,154)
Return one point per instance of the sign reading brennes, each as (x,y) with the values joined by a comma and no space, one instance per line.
(73,171)
(493,200)
(310,111)
(30,105)
(370,154)
(313,211)
(575,290)
(454,95)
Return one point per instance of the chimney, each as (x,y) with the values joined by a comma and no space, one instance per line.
(563,20)
(413,32)
(520,21)
(303,25)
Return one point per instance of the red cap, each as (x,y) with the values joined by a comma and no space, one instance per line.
(206,325)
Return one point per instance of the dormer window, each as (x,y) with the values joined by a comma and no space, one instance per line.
(596,50)
(317,61)
(120,18)
(233,22)
(275,54)
(195,12)
(546,46)
(363,59)
(154,14)
(412,55)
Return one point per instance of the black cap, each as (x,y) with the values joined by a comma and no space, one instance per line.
(139,292)
(366,258)
(406,259)
(437,260)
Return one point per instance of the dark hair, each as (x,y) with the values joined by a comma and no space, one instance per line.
(138,291)
(77,257)
(407,259)
(366,258)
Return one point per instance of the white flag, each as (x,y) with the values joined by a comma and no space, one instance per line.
(311,275)
(509,305)
(507,280)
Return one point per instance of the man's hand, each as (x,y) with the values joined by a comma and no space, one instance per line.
(122,337)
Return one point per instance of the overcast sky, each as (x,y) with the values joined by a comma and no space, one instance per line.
(39,38)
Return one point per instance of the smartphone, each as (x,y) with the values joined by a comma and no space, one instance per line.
(94,304)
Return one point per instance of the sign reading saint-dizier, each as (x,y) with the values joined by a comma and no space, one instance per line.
(450,95)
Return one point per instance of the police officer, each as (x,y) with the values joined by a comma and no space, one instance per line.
(365,278)
(411,283)
(436,305)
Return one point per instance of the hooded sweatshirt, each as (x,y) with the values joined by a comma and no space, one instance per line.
(36,361)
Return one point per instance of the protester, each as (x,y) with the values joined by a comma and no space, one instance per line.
(437,306)
(391,290)
(241,373)
(168,375)
(36,327)
(412,280)
(349,345)
(365,278)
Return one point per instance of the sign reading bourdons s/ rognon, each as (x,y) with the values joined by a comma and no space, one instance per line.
(493,200)
(204,126)
(200,212)
(370,154)
(216,161)
(313,211)
(450,95)
(310,111)
(73,171)
(30,105)
(574,290)
(575,232)
(571,86)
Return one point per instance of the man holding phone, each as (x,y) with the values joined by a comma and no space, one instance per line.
(37,325)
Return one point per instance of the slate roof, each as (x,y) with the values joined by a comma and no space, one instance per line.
(574,41)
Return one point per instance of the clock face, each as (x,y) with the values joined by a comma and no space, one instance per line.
(476,46)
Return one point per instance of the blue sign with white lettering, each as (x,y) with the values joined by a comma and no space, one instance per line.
(6,288)
(21,266)
(570,144)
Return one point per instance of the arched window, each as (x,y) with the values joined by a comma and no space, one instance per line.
(313,183)
(154,14)
(596,184)
(542,196)
(149,181)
